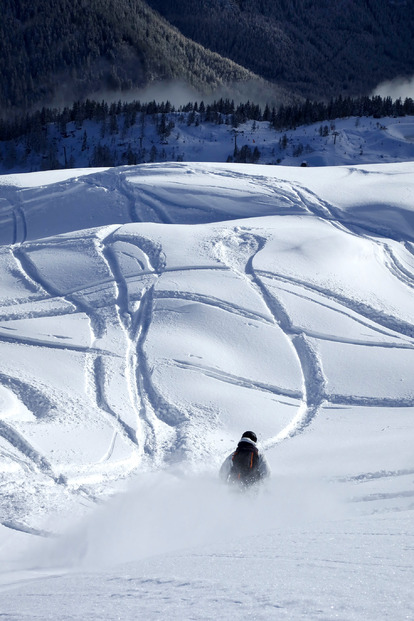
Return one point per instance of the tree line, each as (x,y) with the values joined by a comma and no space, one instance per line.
(221,111)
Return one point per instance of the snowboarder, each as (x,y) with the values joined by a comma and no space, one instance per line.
(246,466)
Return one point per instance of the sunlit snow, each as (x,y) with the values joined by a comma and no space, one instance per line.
(148,316)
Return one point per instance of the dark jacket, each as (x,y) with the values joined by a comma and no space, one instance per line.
(263,468)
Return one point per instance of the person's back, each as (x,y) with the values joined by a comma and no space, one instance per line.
(246,466)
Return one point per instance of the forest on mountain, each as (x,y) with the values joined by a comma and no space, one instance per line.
(318,48)
(57,51)
(54,52)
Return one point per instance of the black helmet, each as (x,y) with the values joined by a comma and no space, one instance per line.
(251,435)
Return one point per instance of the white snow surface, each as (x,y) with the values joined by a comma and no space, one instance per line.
(151,314)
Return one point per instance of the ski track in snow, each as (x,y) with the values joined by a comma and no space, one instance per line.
(29,395)
(17,216)
(33,342)
(154,406)
(313,378)
(382,319)
(319,207)
(396,268)
(23,447)
(383,474)
(150,406)
(235,379)
(99,378)
(23,528)
(79,305)
(228,307)
(385,402)
(346,312)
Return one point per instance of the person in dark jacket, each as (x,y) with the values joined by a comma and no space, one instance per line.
(246,465)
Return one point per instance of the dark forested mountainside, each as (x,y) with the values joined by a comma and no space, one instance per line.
(317,48)
(56,51)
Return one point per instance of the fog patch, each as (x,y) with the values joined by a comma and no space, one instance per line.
(258,91)
(177,92)
(396,89)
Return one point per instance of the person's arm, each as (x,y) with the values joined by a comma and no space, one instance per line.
(225,468)
(263,467)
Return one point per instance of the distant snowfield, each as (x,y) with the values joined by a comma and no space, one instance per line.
(148,316)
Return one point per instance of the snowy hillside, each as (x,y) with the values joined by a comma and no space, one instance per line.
(182,137)
(149,315)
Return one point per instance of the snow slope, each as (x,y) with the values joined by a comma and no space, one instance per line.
(349,141)
(151,314)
